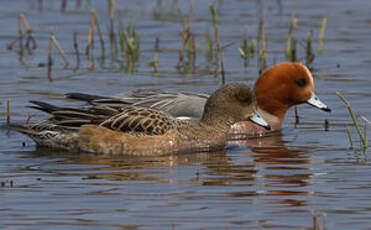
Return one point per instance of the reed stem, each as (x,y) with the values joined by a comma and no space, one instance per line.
(261,38)
(50,50)
(350,137)
(112,30)
(155,63)
(327,125)
(90,33)
(316,222)
(63,6)
(365,131)
(20,34)
(61,52)
(100,36)
(347,104)
(309,56)
(8,112)
(186,34)
(321,35)
(77,52)
(290,49)
(214,17)
(209,44)
(40,5)
(297,118)
(29,33)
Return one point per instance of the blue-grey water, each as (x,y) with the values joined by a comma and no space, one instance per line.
(275,182)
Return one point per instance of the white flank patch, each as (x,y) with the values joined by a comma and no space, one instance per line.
(183,118)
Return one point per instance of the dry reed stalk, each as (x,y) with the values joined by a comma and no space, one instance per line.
(209,44)
(28,30)
(193,52)
(186,34)
(61,52)
(321,35)
(12,44)
(309,56)
(28,118)
(294,50)
(261,61)
(316,222)
(222,68)
(100,36)
(290,46)
(157,44)
(29,33)
(20,35)
(90,33)
(327,125)
(76,47)
(214,17)
(122,37)
(155,63)
(40,5)
(297,118)
(50,50)
(63,6)
(25,22)
(111,30)
(263,50)
(263,44)
(78,4)
(8,112)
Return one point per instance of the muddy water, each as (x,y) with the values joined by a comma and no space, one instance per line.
(276,182)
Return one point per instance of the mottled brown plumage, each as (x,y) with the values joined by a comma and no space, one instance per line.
(139,130)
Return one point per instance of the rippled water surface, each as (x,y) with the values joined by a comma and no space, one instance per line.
(275,182)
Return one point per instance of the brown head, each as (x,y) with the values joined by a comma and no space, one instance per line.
(284,85)
(229,104)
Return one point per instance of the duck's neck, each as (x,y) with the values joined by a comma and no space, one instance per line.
(273,107)
(220,123)
(274,121)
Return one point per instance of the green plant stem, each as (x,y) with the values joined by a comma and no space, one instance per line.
(347,104)
(350,138)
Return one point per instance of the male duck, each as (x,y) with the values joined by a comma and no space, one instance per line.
(277,89)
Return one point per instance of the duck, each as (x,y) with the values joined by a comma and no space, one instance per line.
(136,130)
(277,89)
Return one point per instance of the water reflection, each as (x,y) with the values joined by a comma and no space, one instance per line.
(284,171)
(269,169)
(128,168)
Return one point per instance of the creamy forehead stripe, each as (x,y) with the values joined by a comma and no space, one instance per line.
(309,74)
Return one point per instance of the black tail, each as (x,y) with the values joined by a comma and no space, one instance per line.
(84,97)
(23,129)
(45,107)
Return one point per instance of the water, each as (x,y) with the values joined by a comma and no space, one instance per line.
(275,182)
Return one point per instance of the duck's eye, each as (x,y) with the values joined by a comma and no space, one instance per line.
(301,82)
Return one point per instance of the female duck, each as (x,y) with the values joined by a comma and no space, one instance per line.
(143,131)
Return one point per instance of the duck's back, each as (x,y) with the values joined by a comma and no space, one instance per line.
(140,121)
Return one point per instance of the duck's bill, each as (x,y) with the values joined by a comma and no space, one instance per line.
(258,119)
(316,102)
